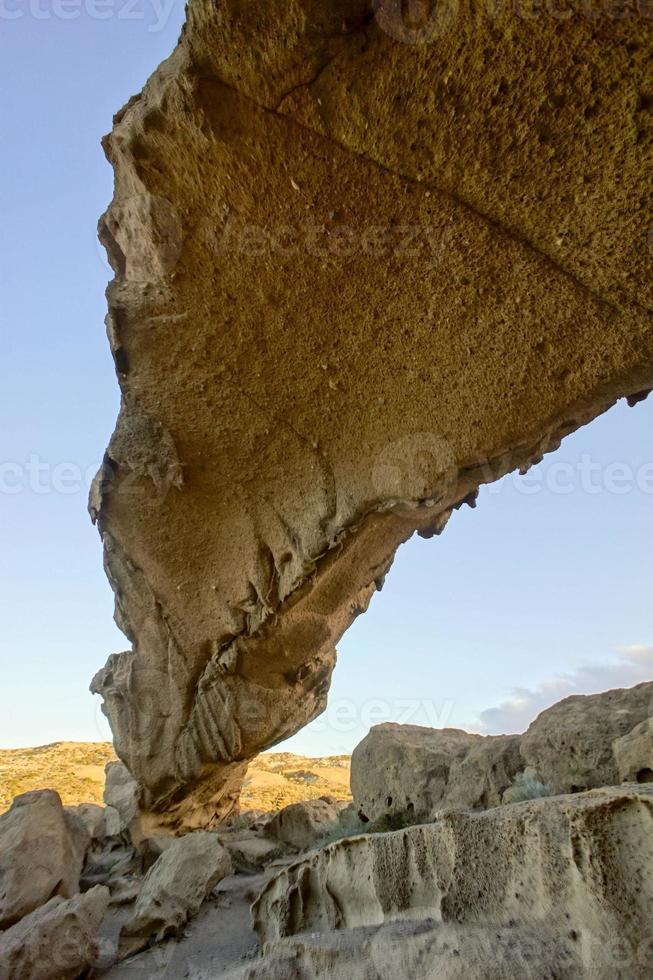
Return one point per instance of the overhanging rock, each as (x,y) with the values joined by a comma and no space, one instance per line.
(360,268)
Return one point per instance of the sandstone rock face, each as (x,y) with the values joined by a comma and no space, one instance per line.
(412,772)
(303,824)
(571,744)
(174,888)
(58,941)
(561,886)
(479,780)
(361,267)
(42,851)
(634,754)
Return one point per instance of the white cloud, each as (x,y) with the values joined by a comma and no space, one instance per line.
(633,665)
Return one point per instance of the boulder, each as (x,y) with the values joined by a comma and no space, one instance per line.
(58,941)
(250,852)
(151,849)
(253,819)
(416,260)
(113,822)
(121,793)
(302,825)
(349,821)
(108,863)
(570,745)
(93,817)
(402,771)
(174,888)
(42,850)
(487,895)
(634,754)
(479,780)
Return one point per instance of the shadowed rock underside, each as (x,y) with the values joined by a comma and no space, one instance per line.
(358,272)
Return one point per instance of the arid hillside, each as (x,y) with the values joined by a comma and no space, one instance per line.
(76,771)
(278,778)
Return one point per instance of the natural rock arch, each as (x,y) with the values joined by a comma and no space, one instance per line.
(359,271)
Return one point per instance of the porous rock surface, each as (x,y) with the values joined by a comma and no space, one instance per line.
(58,941)
(42,851)
(426,950)
(556,887)
(571,744)
(414,771)
(479,780)
(303,824)
(634,754)
(361,266)
(583,742)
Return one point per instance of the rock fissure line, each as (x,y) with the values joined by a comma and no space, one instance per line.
(512,232)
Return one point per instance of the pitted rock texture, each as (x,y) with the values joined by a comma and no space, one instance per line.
(359,270)
(572,744)
(561,886)
(406,769)
(408,773)
(634,754)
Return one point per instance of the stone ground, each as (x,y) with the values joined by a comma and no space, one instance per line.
(221,936)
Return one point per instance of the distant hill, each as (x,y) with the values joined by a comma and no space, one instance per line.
(278,778)
(76,771)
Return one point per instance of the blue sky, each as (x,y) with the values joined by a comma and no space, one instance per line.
(533,595)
